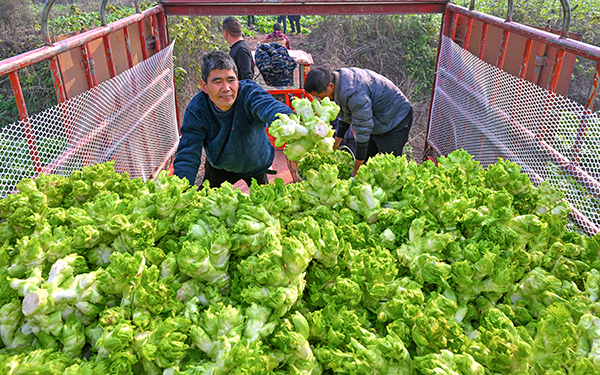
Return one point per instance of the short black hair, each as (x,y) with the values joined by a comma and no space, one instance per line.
(317,80)
(216,60)
(233,26)
(276,26)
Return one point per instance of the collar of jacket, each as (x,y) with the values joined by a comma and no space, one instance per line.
(336,88)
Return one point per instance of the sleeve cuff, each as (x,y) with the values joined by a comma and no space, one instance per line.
(342,129)
(361,150)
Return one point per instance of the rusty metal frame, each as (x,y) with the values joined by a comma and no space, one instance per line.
(287,7)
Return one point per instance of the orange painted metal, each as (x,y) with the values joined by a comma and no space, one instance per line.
(558,63)
(16,86)
(128,47)
(142,35)
(108,53)
(89,67)
(525,59)
(503,49)
(484,32)
(543,50)
(59,87)
(33,152)
(157,39)
(468,34)
(595,86)
(33,57)
(454,25)
(110,62)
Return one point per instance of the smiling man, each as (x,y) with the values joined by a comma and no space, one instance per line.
(227,119)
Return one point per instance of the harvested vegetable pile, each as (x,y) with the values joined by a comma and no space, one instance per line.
(403,269)
(312,160)
(306,130)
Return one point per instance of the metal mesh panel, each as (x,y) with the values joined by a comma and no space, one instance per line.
(130,119)
(491,114)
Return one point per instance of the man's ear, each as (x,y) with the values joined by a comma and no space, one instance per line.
(203,86)
(331,86)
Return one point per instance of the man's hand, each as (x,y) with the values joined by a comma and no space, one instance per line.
(357,164)
(337,142)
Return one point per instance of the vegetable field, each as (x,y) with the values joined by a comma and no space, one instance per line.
(403,269)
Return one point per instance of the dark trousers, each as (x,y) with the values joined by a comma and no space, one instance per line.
(282,20)
(295,24)
(392,141)
(251,21)
(217,176)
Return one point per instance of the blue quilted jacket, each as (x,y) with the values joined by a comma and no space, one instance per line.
(275,64)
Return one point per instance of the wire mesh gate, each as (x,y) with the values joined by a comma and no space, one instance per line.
(490,113)
(131,119)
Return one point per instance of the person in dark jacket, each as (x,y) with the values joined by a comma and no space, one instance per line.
(378,111)
(228,119)
(240,51)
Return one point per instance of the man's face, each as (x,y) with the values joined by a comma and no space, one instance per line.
(222,87)
(328,93)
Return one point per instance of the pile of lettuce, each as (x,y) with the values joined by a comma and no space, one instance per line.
(307,129)
(403,269)
(312,160)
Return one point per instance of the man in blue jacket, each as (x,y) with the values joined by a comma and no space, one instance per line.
(378,111)
(228,119)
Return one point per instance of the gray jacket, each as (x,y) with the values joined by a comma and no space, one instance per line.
(368,101)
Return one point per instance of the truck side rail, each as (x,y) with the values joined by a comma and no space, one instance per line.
(540,136)
(51,52)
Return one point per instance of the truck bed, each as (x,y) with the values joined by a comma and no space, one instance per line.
(279,164)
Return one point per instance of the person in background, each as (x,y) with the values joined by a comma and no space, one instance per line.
(282,21)
(227,119)
(378,111)
(295,24)
(240,51)
(251,21)
(277,34)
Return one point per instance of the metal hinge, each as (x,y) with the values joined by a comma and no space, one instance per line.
(539,62)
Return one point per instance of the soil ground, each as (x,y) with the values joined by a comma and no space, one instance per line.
(297,41)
